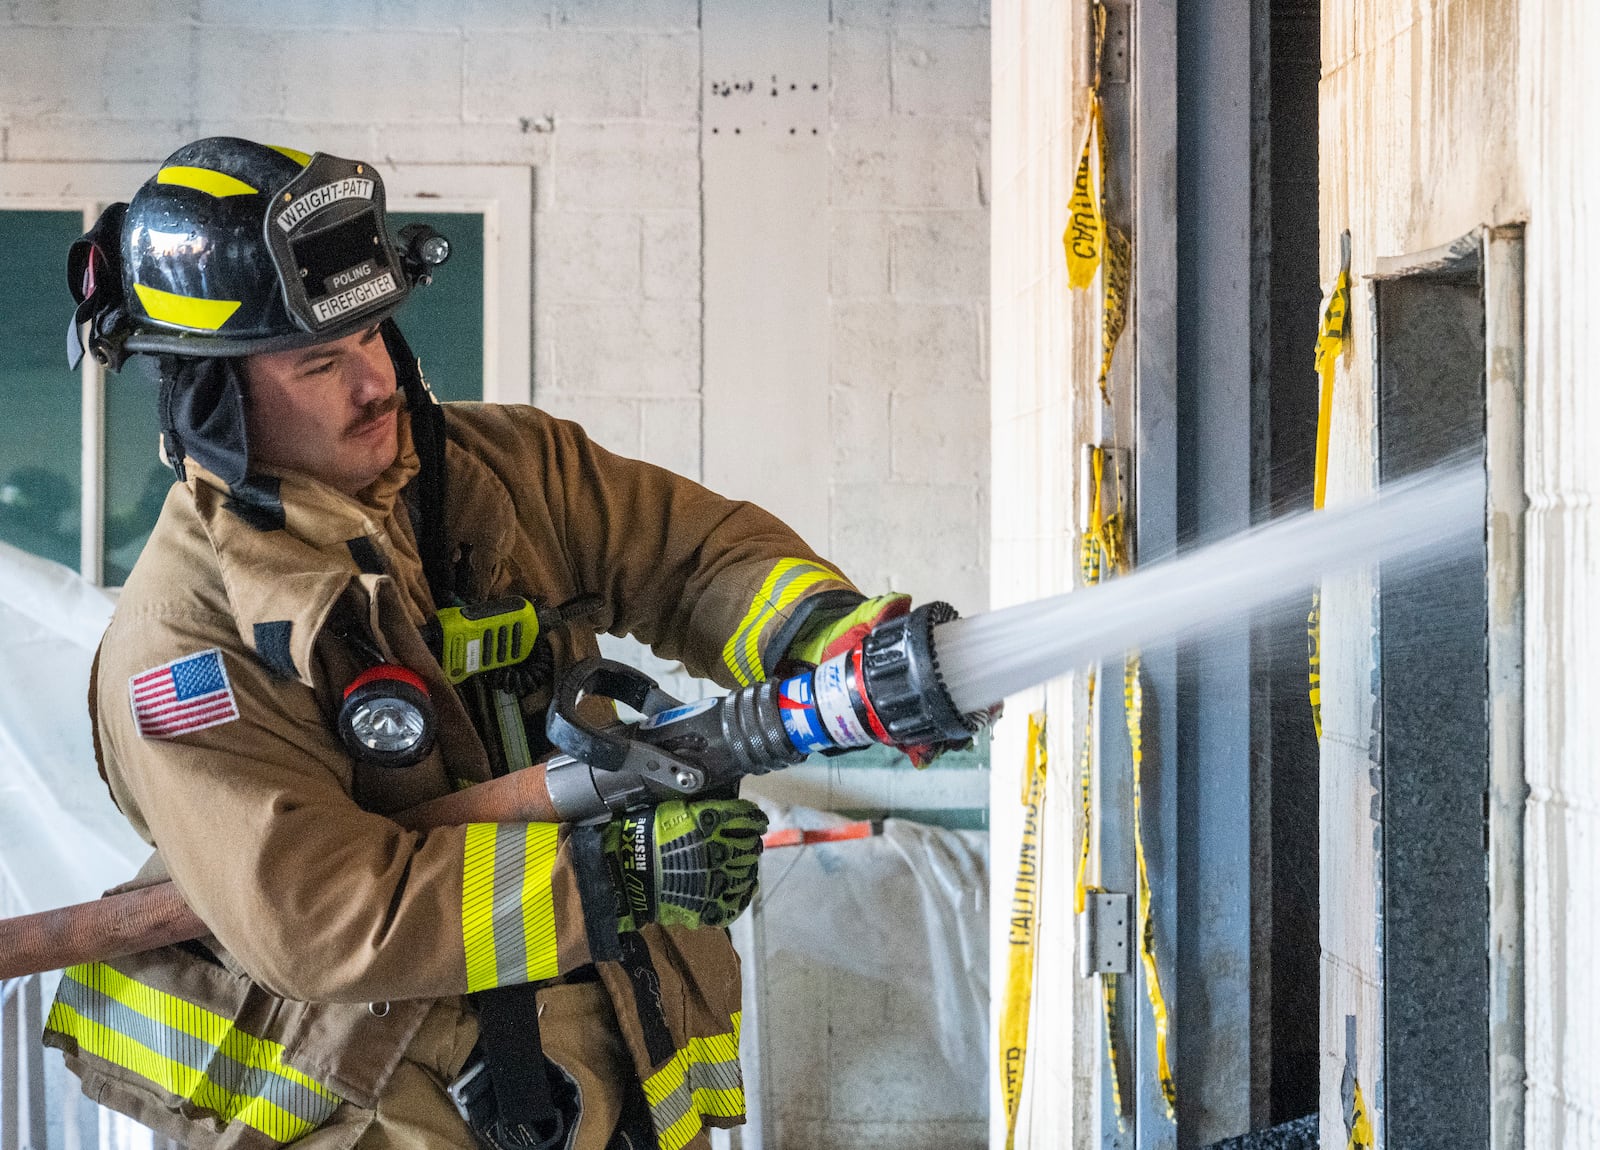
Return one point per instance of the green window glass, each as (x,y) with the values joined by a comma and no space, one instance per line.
(136,478)
(443,322)
(41,435)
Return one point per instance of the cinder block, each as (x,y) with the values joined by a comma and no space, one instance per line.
(32,60)
(600,167)
(858,423)
(641,15)
(904,163)
(858,60)
(672,255)
(645,348)
(238,76)
(670,435)
(940,438)
(587,255)
(611,422)
(97,138)
(377,77)
(942,256)
(567,73)
(941,72)
(467,15)
(672,77)
(901,13)
(466,144)
(93,14)
(858,262)
(919,538)
(309,14)
(915,348)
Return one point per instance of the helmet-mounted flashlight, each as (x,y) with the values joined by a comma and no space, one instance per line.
(387,718)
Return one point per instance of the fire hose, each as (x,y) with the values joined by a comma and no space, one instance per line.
(886,690)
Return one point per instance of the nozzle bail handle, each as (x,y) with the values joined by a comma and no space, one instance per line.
(607,679)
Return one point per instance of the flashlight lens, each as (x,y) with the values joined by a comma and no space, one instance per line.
(386,719)
(435,250)
(388,725)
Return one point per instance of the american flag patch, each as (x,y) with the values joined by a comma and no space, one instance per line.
(187,694)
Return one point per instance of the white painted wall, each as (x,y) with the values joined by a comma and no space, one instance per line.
(1558,133)
(1043,404)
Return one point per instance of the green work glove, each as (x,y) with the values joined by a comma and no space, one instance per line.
(826,634)
(685,863)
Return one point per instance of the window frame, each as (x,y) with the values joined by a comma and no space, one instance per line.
(501,193)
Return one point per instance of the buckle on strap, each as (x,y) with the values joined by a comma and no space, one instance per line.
(472,1094)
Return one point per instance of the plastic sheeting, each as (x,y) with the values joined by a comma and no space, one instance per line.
(895,927)
(61,838)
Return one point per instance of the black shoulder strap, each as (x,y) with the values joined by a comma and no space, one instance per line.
(428,435)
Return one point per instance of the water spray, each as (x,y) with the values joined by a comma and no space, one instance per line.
(931,676)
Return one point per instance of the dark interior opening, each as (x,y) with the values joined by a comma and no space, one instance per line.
(1434,730)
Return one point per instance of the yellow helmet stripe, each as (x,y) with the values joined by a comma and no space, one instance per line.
(184,310)
(294,154)
(218,184)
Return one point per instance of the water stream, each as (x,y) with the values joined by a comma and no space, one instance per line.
(1409,526)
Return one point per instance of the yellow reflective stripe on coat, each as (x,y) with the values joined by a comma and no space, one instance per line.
(189,1052)
(184,310)
(785,583)
(508,918)
(702,1080)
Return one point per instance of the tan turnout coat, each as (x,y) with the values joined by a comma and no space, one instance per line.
(328,1007)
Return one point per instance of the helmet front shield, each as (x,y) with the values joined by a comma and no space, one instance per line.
(326,235)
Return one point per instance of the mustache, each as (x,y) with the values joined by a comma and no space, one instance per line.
(377,409)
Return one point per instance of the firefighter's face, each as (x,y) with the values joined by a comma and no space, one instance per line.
(326,411)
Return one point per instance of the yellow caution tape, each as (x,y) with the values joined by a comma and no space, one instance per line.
(1093,244)
(1358,1125)
(1114,300)
(1085,236)
(1022,937)
(1331,333)
(1133,702)
(1085,790)
(1330,345)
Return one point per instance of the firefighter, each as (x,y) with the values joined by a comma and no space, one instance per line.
(505,985)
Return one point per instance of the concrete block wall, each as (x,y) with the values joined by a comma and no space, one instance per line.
(603,100)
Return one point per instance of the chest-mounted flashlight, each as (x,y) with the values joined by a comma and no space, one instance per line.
(387,718)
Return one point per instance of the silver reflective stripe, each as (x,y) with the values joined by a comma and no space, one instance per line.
(510,875)
(233,1074)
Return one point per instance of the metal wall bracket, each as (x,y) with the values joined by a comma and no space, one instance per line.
(1116,57)
(1105,934)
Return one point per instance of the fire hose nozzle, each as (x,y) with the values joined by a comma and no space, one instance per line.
(900,665)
